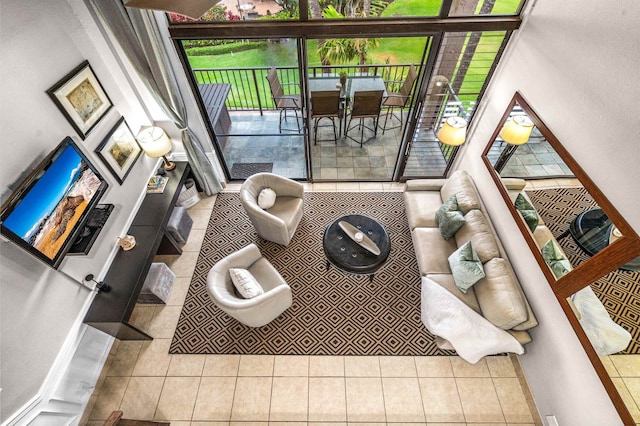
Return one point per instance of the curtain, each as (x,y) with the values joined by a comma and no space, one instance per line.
(138,35)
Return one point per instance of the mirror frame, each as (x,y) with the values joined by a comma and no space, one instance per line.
(607,260)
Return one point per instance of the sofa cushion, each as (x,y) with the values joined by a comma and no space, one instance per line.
(466,267)
(499,295)
(461,184)
(527,211)
(555,258)
(446,281)
(432,250)
(542,234)
(477,230)
(449,218)
(421,208)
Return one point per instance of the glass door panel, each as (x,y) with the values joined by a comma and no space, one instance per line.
(366,148)
(462,67)
(256,128)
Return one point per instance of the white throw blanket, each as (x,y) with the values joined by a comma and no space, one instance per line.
(470,334)
(606,336)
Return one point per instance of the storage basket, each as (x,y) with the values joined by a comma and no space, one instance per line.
(189,195)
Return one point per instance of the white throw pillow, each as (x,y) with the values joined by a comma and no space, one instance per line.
(266,198)
(245,283)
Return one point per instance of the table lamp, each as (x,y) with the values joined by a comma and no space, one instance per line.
(517,130)
(453,131)
(156,144)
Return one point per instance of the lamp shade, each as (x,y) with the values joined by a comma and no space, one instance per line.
(517,130)
(154,142)
(453,132)
(192,8)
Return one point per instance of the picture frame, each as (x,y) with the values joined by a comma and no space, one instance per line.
(119,150)
(81,99)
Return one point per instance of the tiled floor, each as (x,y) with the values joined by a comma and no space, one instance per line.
(144,381)
(624,371)
(255,139)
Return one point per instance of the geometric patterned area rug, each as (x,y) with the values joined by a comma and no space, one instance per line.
(333,313)
(619,291)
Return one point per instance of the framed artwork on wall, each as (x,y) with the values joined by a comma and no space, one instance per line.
(81,98)
(119,150)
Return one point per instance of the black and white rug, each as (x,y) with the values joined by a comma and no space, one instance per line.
(333,313)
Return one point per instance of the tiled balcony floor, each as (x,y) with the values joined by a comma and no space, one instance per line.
(254,138)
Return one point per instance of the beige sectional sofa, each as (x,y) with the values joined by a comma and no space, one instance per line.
(495,309)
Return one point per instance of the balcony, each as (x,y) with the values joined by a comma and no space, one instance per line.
(252,113)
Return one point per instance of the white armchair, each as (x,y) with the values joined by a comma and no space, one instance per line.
(257,311)
(278,223)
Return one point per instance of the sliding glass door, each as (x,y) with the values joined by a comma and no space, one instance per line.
(362,148)
(250,93)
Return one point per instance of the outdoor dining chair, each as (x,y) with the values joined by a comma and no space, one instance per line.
(284,103)
(325,104)
(399,99)
(366,104)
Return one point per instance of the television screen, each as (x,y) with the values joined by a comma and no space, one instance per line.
(49,209)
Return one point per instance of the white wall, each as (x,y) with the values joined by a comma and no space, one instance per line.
(576,63)
(40,43)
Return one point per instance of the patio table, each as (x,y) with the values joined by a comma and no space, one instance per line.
(346,93)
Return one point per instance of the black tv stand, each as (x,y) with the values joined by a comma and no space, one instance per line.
(96,221)
(110,312)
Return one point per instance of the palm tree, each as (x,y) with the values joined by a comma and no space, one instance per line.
(346,49)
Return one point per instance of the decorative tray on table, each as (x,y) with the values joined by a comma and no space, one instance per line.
(359,237)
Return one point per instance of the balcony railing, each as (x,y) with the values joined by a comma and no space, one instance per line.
(250,90)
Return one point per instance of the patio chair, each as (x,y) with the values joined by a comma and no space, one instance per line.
(284,103)
(399,99)
(256,311)
(325,104)
(366,104)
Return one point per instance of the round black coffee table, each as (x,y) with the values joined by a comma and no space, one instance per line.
(347,254)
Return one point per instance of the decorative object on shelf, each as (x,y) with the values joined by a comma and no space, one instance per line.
(127,242)
(453,132)
(101,286)
(157,184)
(81,99)
(119,150)
(156,144)
(357,236)
(191,8)
(517,130)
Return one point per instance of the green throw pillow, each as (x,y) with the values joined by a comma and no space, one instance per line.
(556,260)
(528,212)
(449,218)
(466,267)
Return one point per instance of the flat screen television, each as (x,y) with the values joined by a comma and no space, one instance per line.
(48,210)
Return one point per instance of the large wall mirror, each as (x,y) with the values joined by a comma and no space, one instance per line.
(588,252)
